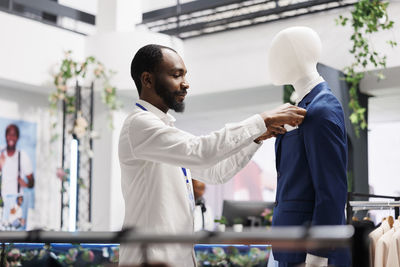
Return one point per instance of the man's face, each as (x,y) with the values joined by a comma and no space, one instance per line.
(170,81)
(11,138)
(198,189)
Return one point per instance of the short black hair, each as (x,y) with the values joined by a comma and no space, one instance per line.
(9,127)
(146,59)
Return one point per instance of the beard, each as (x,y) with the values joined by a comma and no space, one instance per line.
(169,98)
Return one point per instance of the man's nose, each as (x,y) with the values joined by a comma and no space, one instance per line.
(185,84)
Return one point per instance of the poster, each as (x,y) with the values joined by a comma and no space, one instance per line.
(17,172)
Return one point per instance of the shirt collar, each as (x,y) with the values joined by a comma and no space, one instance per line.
(308,87)
(310,96)
(165,117)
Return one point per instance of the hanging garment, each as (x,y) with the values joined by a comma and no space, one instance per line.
(393,259)
(374,237)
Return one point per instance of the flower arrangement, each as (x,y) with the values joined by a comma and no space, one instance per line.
(69,73)
(73,256)
(267,216)
(231,256)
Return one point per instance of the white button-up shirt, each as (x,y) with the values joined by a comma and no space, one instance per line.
(152,153)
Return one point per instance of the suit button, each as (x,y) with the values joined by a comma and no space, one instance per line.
(278,174)
(276,203)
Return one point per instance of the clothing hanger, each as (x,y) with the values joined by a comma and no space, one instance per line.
(390,221)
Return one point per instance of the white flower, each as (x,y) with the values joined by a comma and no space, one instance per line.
(79,131)
(81,122)
(62,87)
(90,153)
(61,96)
(94,135)
(80,127)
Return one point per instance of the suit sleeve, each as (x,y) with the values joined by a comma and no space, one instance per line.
(325,144)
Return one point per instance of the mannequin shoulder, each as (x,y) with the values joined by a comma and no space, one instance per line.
(325,107)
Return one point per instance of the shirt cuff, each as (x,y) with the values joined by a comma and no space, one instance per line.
(316,260)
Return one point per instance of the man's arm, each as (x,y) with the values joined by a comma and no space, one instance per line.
(150,139)
(226,169)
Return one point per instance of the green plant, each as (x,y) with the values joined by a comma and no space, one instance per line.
(222,220)
(350,179)
(288,91)
(238,221)
(368,17)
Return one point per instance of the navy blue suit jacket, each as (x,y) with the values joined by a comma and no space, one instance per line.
(311,163)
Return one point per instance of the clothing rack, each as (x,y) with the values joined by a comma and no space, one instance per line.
(288,238)
(294,237)
(371,205)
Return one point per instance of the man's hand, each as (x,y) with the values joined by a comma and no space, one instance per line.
(284,114)
(272,131)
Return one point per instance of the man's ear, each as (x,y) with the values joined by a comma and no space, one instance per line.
(146,79)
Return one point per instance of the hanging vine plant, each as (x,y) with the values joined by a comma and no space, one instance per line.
(368,17)
(65,79)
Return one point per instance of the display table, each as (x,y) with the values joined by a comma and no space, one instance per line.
(251,247)
(107,254)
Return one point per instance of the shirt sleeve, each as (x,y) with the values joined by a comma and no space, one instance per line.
(151,139)
(224,170)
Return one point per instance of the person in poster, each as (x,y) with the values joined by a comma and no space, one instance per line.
(16,175)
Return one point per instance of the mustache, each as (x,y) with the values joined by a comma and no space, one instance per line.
(182,92)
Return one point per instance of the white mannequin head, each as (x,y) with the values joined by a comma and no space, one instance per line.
(294,55)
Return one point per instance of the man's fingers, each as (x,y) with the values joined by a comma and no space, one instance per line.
(277,129)
(285,114)
(294,120)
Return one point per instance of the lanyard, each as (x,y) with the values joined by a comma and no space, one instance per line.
(188,185)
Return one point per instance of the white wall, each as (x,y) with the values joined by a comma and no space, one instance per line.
(116,50)
(237,59)
(29,49)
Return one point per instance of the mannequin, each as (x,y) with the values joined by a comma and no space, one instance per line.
(311,160)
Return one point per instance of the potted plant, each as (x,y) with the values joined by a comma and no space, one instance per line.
(221,224)
(238,225)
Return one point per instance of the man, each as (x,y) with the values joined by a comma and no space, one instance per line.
(203,215)
(155,157)
(15,165)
